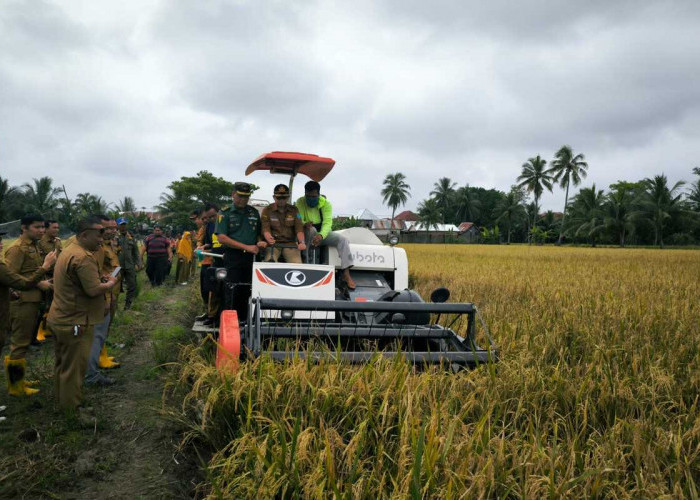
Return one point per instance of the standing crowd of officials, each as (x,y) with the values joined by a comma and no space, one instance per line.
(70,290)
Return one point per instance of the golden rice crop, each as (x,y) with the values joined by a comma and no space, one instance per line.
(596,393)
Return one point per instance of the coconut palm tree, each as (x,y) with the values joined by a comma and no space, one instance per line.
(619,214)
(567,168)
(7,192)
(41,197)
(694,195)
(429,214)
(660,203)
(395,192)
(468,204)
(510,208)
(535,179)
(126,206)
(588,214)
(443,193)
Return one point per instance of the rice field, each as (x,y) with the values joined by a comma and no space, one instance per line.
(596,393)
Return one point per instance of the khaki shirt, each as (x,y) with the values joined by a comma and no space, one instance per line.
(10,279)
(282,224)
(109,263)
(76,296)
(23,257)
(47,245)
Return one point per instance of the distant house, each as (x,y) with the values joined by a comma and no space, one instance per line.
(468,232)
(418,227)
(382,227)
(406,216)
(366,217)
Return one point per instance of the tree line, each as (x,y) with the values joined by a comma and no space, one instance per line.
(43,197)
(648,211)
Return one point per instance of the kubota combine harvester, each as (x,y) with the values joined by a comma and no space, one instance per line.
(302,310)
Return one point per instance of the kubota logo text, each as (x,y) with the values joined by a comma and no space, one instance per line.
(368,258)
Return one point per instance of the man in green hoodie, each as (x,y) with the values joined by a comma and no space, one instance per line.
(317,215)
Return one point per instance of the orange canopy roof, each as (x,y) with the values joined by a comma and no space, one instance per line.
(280,162)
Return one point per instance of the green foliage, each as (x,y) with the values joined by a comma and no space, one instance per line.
(429,213)
(395,192)
(189,193)
(491,236)
(346,223)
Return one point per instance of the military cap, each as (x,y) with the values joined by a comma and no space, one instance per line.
(242,188)
(281,191)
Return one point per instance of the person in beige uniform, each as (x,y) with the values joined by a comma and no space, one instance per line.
(15,370)
(24,258)
(281,223)
(48,243)
(78,305)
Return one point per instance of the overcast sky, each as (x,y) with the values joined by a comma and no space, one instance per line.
(120,98)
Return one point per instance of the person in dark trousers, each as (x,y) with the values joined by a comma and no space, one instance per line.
(160,255)
(129,260)
(238,230)
(206,242)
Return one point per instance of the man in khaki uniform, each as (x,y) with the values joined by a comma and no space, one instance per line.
(14,370)
(78,305)
(129,260)
(48,243)
(281,223)
(24,258)
(107,262)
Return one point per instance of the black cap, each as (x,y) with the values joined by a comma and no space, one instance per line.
(242,189)
(3,233)
(281,190)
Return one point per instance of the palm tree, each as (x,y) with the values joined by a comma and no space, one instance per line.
(7,192)
(510,208)
(660,203)
(694,195)
(588,214)
(126,206)
(41,197)
(443,193)
(395,192)
(535,179)
(565,169)
(619,215)
(429,214)
(468,205)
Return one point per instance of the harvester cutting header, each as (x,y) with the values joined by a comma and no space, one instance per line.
(320,308)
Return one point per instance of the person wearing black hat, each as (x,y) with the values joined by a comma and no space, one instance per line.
(281,223)
(238,230)
(317,215)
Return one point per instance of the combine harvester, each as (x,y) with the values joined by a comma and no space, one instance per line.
(304,309)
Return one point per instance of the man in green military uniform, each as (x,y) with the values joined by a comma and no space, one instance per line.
(14,369)
(129,260)
(23,257)
(238,230)
(78,305)
(281,223)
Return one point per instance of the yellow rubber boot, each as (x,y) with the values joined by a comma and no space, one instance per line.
(14,371)
(42,326)
(105,362)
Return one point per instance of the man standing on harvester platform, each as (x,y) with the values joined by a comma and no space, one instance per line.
(317,215)
(238,230)
(78,305)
